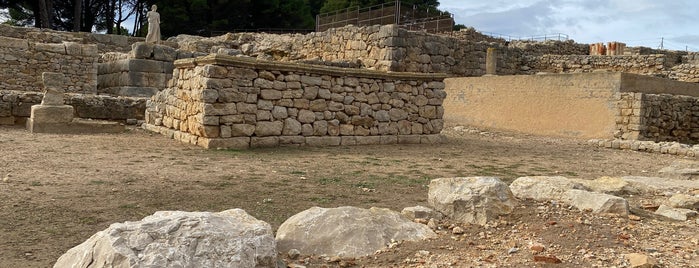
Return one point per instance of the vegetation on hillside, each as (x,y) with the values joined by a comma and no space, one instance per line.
(199,17)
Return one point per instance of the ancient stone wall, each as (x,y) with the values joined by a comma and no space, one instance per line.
(658,117)
(554,47)
(655,65)
(22,62)
(15,106)
(141,73)
(104,42)
(221,101)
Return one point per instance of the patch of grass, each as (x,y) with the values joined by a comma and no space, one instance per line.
(321,199)
(326,181)
(570,173)
(88,220)
(36,183)
(365,184)
(97,182)
(297,172)
(128,206)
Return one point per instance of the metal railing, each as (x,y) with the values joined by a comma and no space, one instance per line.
(544,37)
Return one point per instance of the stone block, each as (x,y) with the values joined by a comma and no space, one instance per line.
(475,200)
(263,142)
(597,202)
(409,139)
(7,120)
(52,114)
(368,140)
(225,143)
(274,128)
(14,43)
(323,141)
(242,130)
(292,140)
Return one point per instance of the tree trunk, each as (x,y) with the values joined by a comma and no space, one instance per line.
(78,15)
(44,14)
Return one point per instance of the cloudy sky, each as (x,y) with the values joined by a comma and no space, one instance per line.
(634,22)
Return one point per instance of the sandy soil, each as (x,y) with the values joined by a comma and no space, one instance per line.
(61,189)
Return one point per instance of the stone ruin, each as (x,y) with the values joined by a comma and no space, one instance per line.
(113,77)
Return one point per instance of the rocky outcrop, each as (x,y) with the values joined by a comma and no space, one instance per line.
(476,200)
(230,238)
(347,231)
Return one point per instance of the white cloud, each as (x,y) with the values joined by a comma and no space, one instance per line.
(636,22)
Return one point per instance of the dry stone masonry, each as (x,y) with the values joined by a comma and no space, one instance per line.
(141,73)
(22,63)
(221,101)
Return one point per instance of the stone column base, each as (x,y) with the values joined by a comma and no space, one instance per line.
(52,114)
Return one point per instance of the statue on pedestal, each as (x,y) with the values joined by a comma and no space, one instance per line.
(153,25)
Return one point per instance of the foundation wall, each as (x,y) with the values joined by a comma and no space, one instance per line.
(230,102)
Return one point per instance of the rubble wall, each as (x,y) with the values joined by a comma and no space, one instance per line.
(15,106)
(22,62)
(220,101)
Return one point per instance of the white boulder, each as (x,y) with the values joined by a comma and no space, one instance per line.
(597,202)
(476,200)
(347,231)
(230,238)
(543,188)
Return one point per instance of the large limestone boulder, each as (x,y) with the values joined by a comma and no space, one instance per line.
(655,185)
(597,202)
(543,188)
(476,200)
(611,185)
(347,231)
(230,238)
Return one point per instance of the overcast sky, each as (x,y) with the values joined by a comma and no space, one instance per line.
(634,22)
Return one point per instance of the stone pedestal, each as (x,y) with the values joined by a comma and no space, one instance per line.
(491,62)
(49,118)
(53,116)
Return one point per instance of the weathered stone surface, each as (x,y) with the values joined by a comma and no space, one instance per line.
(420,212)
(476,200)
(543,188)
(682,170)
(230,238)
(346,231)
(684,201)
(597,202)
(678,214)
(610,185)
(269,128)
(637,260)
(52,113)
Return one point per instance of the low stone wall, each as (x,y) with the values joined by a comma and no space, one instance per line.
(15,106)
(658,117)
(22,62)
(552,47)
(639,64)
(590,105)
(103,42)
(232,102)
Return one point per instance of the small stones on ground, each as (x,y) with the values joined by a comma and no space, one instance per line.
(537,247)
(294,253)
(457,230)
(512,250)
(634,217)
(547,259)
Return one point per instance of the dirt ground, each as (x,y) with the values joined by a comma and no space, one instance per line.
(61,189)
